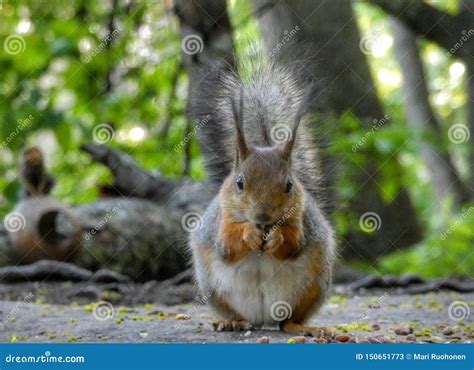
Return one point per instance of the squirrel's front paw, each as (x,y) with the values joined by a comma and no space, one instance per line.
(253,237)
(273,240)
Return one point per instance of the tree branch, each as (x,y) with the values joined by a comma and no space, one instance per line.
(108,45)
(133,181)
(58,270)
(170,103)
(129,178)
(445,29)
(133,237)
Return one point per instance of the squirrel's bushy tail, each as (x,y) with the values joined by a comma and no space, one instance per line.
(273,95)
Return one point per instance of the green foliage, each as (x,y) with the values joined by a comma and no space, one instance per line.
(444,253)
(72,73)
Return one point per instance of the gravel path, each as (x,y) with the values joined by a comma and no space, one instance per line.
(377,317)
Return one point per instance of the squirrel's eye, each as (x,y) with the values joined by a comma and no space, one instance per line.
(289,185)
(240,182)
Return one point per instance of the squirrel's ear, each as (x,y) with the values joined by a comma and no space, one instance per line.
(242,149)
(286,148)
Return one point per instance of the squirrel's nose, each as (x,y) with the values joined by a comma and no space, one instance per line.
(262,219)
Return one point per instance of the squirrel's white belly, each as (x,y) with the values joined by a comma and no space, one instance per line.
(261,289)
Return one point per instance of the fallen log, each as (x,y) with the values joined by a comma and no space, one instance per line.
(141,234)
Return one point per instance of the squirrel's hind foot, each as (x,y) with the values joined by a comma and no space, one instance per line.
(300,329)
(231,325)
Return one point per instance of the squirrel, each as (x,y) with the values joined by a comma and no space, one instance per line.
(35,180)
(42,227)
(265,250)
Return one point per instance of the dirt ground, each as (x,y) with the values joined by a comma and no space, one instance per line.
(49,312)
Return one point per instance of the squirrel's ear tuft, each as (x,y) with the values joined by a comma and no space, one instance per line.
(242,149)
(286,148)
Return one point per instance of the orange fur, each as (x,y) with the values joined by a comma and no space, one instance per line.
(232,234)
(206,256)
(32,249)
(300,329)
(225,307)
(312,292)
(291,242)
(305,306)
(33,157)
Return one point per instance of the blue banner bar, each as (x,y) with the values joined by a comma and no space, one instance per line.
(273,356)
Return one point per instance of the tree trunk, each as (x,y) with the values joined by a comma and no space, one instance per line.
(419,113)
(467,7)
(329,30)
(470,117)
(206,36)
(453,32)
(122,238)
(134,237)
(206,41)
